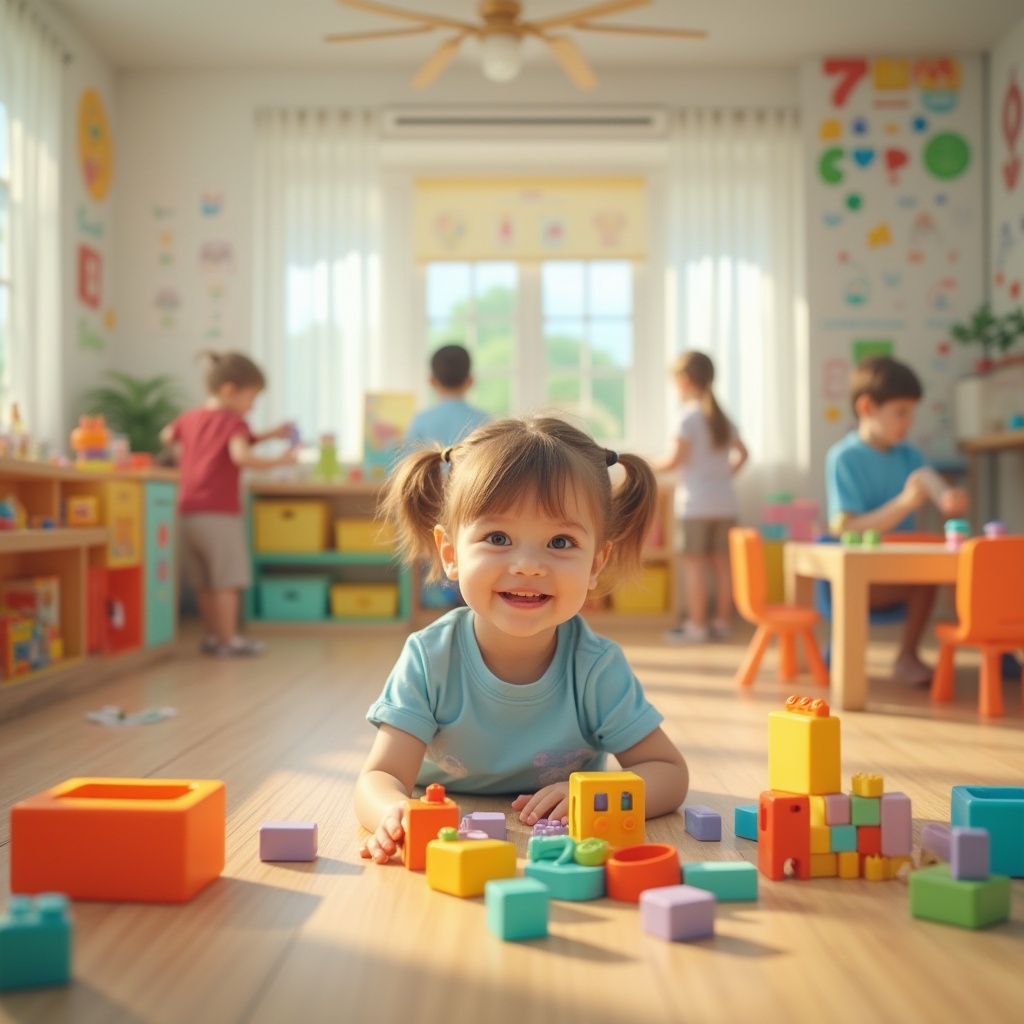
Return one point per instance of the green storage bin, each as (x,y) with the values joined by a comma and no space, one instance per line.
(293,598)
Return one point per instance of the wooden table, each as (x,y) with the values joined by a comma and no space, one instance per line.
(988,446)
(851,570)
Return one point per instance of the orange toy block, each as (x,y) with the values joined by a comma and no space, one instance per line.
(424,818)
(631,871)
(783,835)
(607,805)
(145,840)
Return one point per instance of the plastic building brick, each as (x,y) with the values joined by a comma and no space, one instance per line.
(783,835)
(288,840)
(935,842)
(424,818)
(1000,809)
(592,852)
(821,839)
(491,822)
(147,840)
(607,805)
(848,863)
(837,809)
(878,868)
(865,810)
(897,825)
(629,871)
(517,908)
(548,827)
(463,868)
(803,748)
(849,538)
(552,861)
(969,854)
(824,865)
(745,821)
(869,840)
(35,942)
(817,807)
(936,896)
(842,838)
(677,913)
(865,784)
(871,538)
(703,823)
(728,880)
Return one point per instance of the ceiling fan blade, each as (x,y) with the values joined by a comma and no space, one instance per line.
(636,30)
(587,13)
(436,20)
(438,61)
(359,37)
(572,61)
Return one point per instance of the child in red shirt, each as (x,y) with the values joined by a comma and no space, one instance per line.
(214,444)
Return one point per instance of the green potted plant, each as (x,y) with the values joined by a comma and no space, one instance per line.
(994,334)
(137,407)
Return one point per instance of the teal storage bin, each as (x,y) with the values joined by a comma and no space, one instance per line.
(294,598)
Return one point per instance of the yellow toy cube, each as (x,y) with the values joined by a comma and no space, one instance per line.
(865,784)
(877,868)
(462,867)
(803,749)
(817,811)
(824,865)
(849,864)
(607,805)
(821,839)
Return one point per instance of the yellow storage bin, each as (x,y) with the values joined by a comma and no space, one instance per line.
(119,508)
(645,594)
(364,600)
(289,526)
(363,535)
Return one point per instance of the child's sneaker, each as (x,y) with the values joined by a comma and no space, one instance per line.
(240,647)
(688,633)
(720,630)
(210,645)
(911,671)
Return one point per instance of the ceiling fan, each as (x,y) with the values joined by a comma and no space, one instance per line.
(501,32)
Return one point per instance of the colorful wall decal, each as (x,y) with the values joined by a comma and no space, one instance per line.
(95,145)
(90,277)
(865,348)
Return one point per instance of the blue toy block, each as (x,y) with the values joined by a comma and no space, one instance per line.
(1000,809)
(842,838)
(745,821)
(35,942)
(517,908)
(728,880)
(703,823)
(969,854)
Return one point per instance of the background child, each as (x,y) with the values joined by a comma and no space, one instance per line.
(213,444)
(874,480)
(514,692)
(708,451)
(453,418)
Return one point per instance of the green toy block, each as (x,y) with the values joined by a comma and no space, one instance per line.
(728,880)
(745,821)
(843,838)
(865,810)
(1000,809)
(936,896)
(517,908)
(571,882)
(35,942)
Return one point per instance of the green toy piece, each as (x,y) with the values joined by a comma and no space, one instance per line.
(592,852)
(872,538)
(936,896)
(849,538)
(728,880)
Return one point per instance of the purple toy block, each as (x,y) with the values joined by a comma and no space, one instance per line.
(703,823)
(547,827)
(969,854)
(491,822)
(837,808)
(935,840)
(677,913)
(288,840)
(897,825)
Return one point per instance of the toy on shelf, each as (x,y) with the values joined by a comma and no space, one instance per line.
(327,467)
(37,601)
(12,514)
(17,437)
(90,441)
(608,805)
(288,840)
(799,518)
(35,942)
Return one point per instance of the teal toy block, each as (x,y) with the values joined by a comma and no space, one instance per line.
(842,838)
(1000,809)
(865,810)
(728,880)
(936,896)
(35,942)
(517,908)
(571,882)
(745,821)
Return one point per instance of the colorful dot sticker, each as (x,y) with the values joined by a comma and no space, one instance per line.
(854,201)
(947,155)
(831,413)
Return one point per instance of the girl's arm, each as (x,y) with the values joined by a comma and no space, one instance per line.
(741,455)
(385,783)
(676,458)
(658,762)
(240,451)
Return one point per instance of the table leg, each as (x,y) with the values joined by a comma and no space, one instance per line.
(849,639)
(799,589)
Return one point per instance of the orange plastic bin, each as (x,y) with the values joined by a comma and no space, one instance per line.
(145,840)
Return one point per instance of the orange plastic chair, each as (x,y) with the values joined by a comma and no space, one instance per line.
(786,621)
(990,609)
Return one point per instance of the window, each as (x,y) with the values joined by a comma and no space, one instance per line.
(626,803)
(600,801)
(5,254)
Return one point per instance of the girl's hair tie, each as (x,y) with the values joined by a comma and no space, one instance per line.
(610,457)
(446,454)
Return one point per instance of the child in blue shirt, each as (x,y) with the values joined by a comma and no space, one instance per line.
(453,418)
(875,480)
(513,693)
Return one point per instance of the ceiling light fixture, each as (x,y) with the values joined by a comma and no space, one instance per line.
(501,59)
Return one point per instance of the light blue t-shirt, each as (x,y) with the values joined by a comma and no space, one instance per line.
(484,735)
(859,478)
(449,421)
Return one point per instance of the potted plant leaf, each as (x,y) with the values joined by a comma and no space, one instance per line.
(994,334)
(137,407)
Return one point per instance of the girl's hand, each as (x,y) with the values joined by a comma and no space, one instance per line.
(551,802)
(286,431)
(383,844)
(954,502)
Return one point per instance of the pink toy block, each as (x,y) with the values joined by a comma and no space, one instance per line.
(897,825)
(491,822)
(703,823)
(800,518)
(935,840)
(837,808)
(969,854)
(288,840)
(677,913)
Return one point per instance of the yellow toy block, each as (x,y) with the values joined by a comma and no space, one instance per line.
(607,805)
(878,868)
(901,867)
(803,748)
(821,839)
(824,865)
(817,811)
(462,867)
(849,864)
(865,784)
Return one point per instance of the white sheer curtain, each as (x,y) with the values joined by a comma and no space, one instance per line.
(316,275)
(31,62)
(736,282)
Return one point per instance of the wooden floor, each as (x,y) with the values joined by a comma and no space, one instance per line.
(341,940)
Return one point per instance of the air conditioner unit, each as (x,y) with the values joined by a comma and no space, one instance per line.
(524,123)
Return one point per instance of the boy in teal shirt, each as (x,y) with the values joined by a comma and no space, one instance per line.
(453,418)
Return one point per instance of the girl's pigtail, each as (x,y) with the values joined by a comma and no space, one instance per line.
(718,422)
(634,504)
(411,505)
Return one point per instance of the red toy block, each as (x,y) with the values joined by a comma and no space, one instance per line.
(424,818)
(869,840)
(783,834)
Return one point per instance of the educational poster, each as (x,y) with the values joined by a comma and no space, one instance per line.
(166,301)
(386,418)
(895,229)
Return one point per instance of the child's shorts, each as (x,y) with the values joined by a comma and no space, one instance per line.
(704,536)
(214,551)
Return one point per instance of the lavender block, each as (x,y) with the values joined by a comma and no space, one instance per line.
(491,822)
(473,833)
(547,827)
(935,840)
(288,840)
(703,823)
(969,854)
(837,809)
(677,913)
(897,825)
